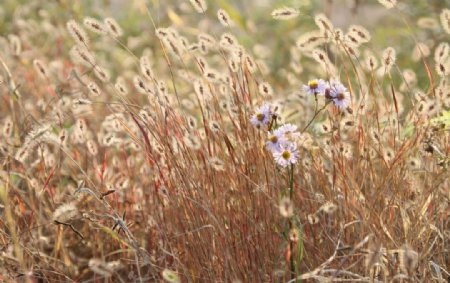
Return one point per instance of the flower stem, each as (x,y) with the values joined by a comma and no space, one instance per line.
(314,117)
(291,223)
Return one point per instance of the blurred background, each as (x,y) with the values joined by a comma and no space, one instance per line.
(252,17)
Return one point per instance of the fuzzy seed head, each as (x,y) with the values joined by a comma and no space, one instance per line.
(77,33)
(94,25)
(15,44)
(120,86)
(199,6)
(40,68)
(285,13)
(310,40)
(146,69)
(112,27)
(286,207)
(389,58)
(445,20)
(224,18)
(388,4)
(94,89)
(441,52)
(324,23)
(65,212)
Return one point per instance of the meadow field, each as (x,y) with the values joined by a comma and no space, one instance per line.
(224,141)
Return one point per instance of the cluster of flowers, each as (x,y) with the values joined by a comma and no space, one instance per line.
(333,91)
(280,141)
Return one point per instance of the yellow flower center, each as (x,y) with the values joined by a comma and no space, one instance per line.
(313,84)
(273,139)
(286,154)
(260,117)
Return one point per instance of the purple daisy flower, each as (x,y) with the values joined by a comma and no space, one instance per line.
(286,154)
(275,140)
(289,131)
(262,116)
(339,94)
(315,87)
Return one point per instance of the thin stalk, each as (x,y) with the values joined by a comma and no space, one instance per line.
(314,117)
(291,222)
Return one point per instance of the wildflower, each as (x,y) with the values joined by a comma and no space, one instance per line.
(316,86)
(275,139)
(288,131)
(339,94)
(286,155)
(262,116)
